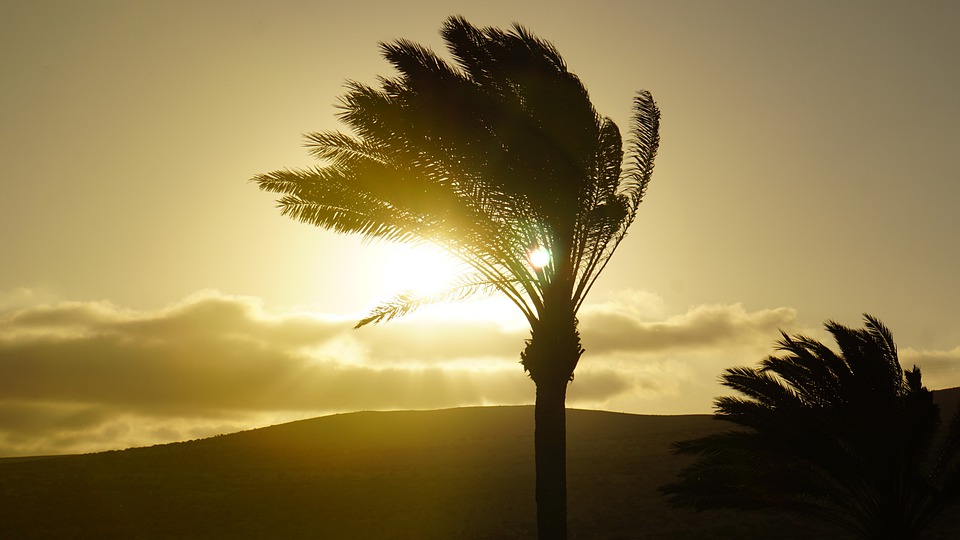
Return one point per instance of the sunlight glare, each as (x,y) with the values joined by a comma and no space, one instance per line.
(538,257)
(496,309)
(421,270)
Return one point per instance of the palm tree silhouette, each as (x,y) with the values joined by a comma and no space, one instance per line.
(493,157)
(849,438)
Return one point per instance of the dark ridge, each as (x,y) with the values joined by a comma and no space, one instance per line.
(447,474)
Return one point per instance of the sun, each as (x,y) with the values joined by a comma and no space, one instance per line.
(538,257)
(421,270)
(425,270)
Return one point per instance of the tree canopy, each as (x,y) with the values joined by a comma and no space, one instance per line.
(490,155)
(848,437)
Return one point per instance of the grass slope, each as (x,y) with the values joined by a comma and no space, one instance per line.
(448,474)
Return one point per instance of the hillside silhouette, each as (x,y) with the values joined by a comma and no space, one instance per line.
(447,474)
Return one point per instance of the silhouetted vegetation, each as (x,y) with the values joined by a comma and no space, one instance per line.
(846,437)
(462,474)
(492,157)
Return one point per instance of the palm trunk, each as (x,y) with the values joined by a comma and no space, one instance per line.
(550,442)
(550,357)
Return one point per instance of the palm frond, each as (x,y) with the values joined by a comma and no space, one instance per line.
(409,301)
(845,438)
(760,386)
(324,197)
(643,146)
(635,177)
(342,149)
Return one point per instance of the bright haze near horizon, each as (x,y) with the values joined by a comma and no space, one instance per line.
(150,293)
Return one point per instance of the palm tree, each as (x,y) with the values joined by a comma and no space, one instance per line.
(849,438)
(492,157)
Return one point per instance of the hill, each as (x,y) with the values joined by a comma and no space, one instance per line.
(448,474)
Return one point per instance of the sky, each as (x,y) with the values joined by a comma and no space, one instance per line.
(150,293)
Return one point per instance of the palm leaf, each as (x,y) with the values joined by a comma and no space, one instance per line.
(409,301)
(846,438)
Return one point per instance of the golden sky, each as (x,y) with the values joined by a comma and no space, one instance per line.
(149,292)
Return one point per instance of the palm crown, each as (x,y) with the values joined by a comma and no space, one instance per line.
(848,437)
(488,157)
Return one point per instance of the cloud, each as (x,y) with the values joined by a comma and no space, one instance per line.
(75,374)
(22,297)
(431,340)
(671,364)
(940,369)
(709,326)
(85,376)
(212,353)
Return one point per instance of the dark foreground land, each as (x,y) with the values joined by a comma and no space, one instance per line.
(445,475)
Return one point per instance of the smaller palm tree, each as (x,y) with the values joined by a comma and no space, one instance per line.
(849,438)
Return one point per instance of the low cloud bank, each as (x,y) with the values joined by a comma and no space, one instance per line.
(87,376)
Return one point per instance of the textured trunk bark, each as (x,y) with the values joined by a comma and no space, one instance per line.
(550,441)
